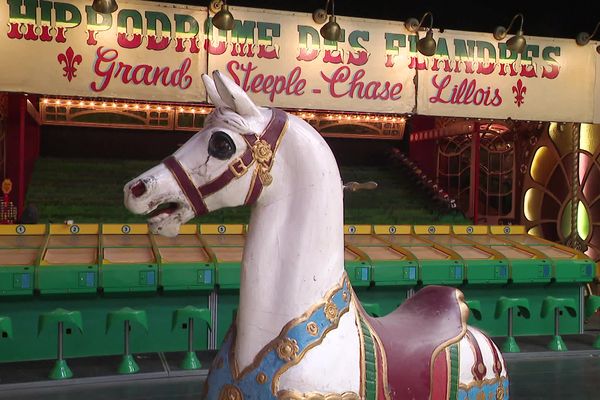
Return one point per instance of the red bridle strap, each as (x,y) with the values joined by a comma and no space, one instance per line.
(261,150)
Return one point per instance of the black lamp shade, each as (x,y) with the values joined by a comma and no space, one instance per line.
(427,45)
(105,6)
(331,30)
(224,19)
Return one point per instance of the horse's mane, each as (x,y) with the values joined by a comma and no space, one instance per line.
(229,117)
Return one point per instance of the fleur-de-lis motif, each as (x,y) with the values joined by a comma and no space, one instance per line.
(70,60)
(519,90)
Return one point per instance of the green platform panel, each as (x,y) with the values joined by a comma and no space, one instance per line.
(129,264)
(527,265)
(390,265)
(184,263)
(359,273)
(569,264)
(442,272)
(68,262)
(482,264)
(20,249)
(26,344)
(438,265)
(492,272)
(356,262)
(16,280)
(573,270)
(401,273)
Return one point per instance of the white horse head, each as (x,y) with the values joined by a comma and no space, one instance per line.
(300,331)
(230,150)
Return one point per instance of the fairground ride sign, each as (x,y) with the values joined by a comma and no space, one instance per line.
(157,52)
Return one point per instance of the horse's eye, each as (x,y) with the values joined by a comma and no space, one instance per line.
(221,146)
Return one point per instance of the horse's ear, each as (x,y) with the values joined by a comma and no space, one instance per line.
(234,96)
(211,89)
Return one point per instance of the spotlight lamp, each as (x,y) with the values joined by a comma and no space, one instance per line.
(516,43)
(584,38)
(105,6)
(426,45)
(331,30)
(223,18)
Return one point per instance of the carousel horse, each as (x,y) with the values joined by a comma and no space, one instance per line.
(300,331)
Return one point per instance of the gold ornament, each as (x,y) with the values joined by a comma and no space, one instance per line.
(230,392)
(331,311)
(264,176)
(287,349)
(261,378)
(312,328)
(261,150)
(345,295)
(293,395)
(500,392)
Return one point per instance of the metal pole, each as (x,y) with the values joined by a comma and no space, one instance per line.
(126,349)
(475,143)
(60,341)
(21,156)
(190,334)
(510,322)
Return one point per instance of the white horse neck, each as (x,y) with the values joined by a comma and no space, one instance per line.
(294,251)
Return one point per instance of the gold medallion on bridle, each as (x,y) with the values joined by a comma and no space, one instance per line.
(261,150)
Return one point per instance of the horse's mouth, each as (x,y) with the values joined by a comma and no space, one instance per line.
(162,211)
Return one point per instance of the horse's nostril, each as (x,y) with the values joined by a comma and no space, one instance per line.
(138,189)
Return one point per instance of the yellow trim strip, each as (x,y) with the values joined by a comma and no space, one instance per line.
(357,229)
(392,229)
(23,229)
(431,229)
(125,229)
(470,229)
(74,229)
(221,229)
(507,229)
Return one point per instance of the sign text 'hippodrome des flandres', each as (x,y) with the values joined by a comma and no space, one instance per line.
(158,52)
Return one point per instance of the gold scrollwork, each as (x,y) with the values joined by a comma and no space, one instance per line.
(331,311)
(500,392)
(312,328)
(287,349)
(293,395)
(230,392)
